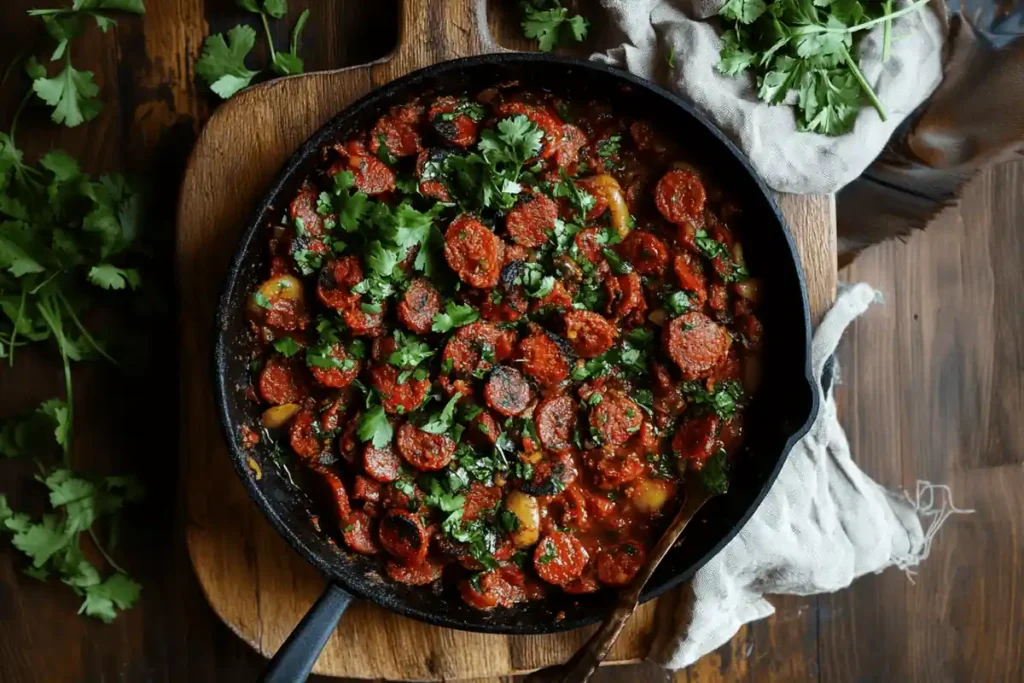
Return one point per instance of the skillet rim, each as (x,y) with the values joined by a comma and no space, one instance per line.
(311,147)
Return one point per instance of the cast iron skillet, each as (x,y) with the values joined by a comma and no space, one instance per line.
(778,416)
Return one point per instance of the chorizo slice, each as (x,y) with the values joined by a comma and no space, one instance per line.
(366,489)
(544,359)
(336,280)
(612,469)
(302,436)
(484,430)
(590,186)
(363,323)
(572,141)
(348,442)
(357,532)
(489,590)
(589,333)
(585,583)
(507,392)
(625,295)
(397,130)
(531,220)
(303,212)
(477,347)
(420,303)
(559,558)
(473,252)
(479,498)
(696,343)
(555,418)
(454,127)
(680,196)
(618,565)
(370,175)
(383,464)
(281,381)
(420,574)
(551,476)
(429,167)
(398,398)
(696,439)
(341,371)
(690,275)
(333,492)
(646,252)
(402,534)
(422,450)
(590,246)
(615,419)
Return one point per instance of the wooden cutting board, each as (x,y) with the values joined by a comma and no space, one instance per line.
(251,577)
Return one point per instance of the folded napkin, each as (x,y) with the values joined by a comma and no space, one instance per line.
(823,523)
(643,33)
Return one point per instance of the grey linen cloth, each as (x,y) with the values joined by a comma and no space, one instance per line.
(643,33)
(823,523)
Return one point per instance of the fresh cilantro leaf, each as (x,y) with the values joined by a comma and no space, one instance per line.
(743,11)
(250,5)
(13,255)
(286,346)
(222,63)
(617,264)
(535,282)
(101,599)
(72,94)
(678,303)
(722,400)
(609,146)
(5,510)
(261,300)
(580,200)
(57,411)
(455,315)
(552,26)
(41,541)
(289,63)
(112,277)
(549,554)
(440,423)
(276,8)
(714,475)
(410,351)
(734,59)
(374,426)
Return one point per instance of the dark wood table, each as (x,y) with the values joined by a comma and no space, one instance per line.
(934,390)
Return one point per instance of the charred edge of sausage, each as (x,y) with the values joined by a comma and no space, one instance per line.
(405,528)
(511,273)
(564,347)
(446,130)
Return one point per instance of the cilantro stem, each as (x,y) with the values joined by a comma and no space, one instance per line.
(10,67)
(51,316)
(85,332)
(867,24)
(17,115)
(106,556)
(270,37)
(17,321)
(850,62)
(887,36)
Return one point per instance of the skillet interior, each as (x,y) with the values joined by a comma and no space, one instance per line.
(779,414)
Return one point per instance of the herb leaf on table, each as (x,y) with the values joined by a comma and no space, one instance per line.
(806,47)
(547,22)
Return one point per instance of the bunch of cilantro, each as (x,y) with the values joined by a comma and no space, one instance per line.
(222,63)
(65,237)
(807,47)
(547,22)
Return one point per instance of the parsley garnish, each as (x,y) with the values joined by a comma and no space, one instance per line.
(374,427)
(286,346)
(455,315)
(550,24)
(580,200)
(409,351)
(222,63)
(722,399)
(440,423)
(549,554)
(714,475)
(807,48)
(609,146)
(678,303)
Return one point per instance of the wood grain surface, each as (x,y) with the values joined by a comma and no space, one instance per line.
(933,388)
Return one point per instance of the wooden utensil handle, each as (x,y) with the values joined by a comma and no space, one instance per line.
(432,31)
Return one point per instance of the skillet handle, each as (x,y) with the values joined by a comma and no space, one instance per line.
(296,657)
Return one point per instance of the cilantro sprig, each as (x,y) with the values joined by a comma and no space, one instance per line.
(806,46)
(549,24)
(72,92)
(222,63)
